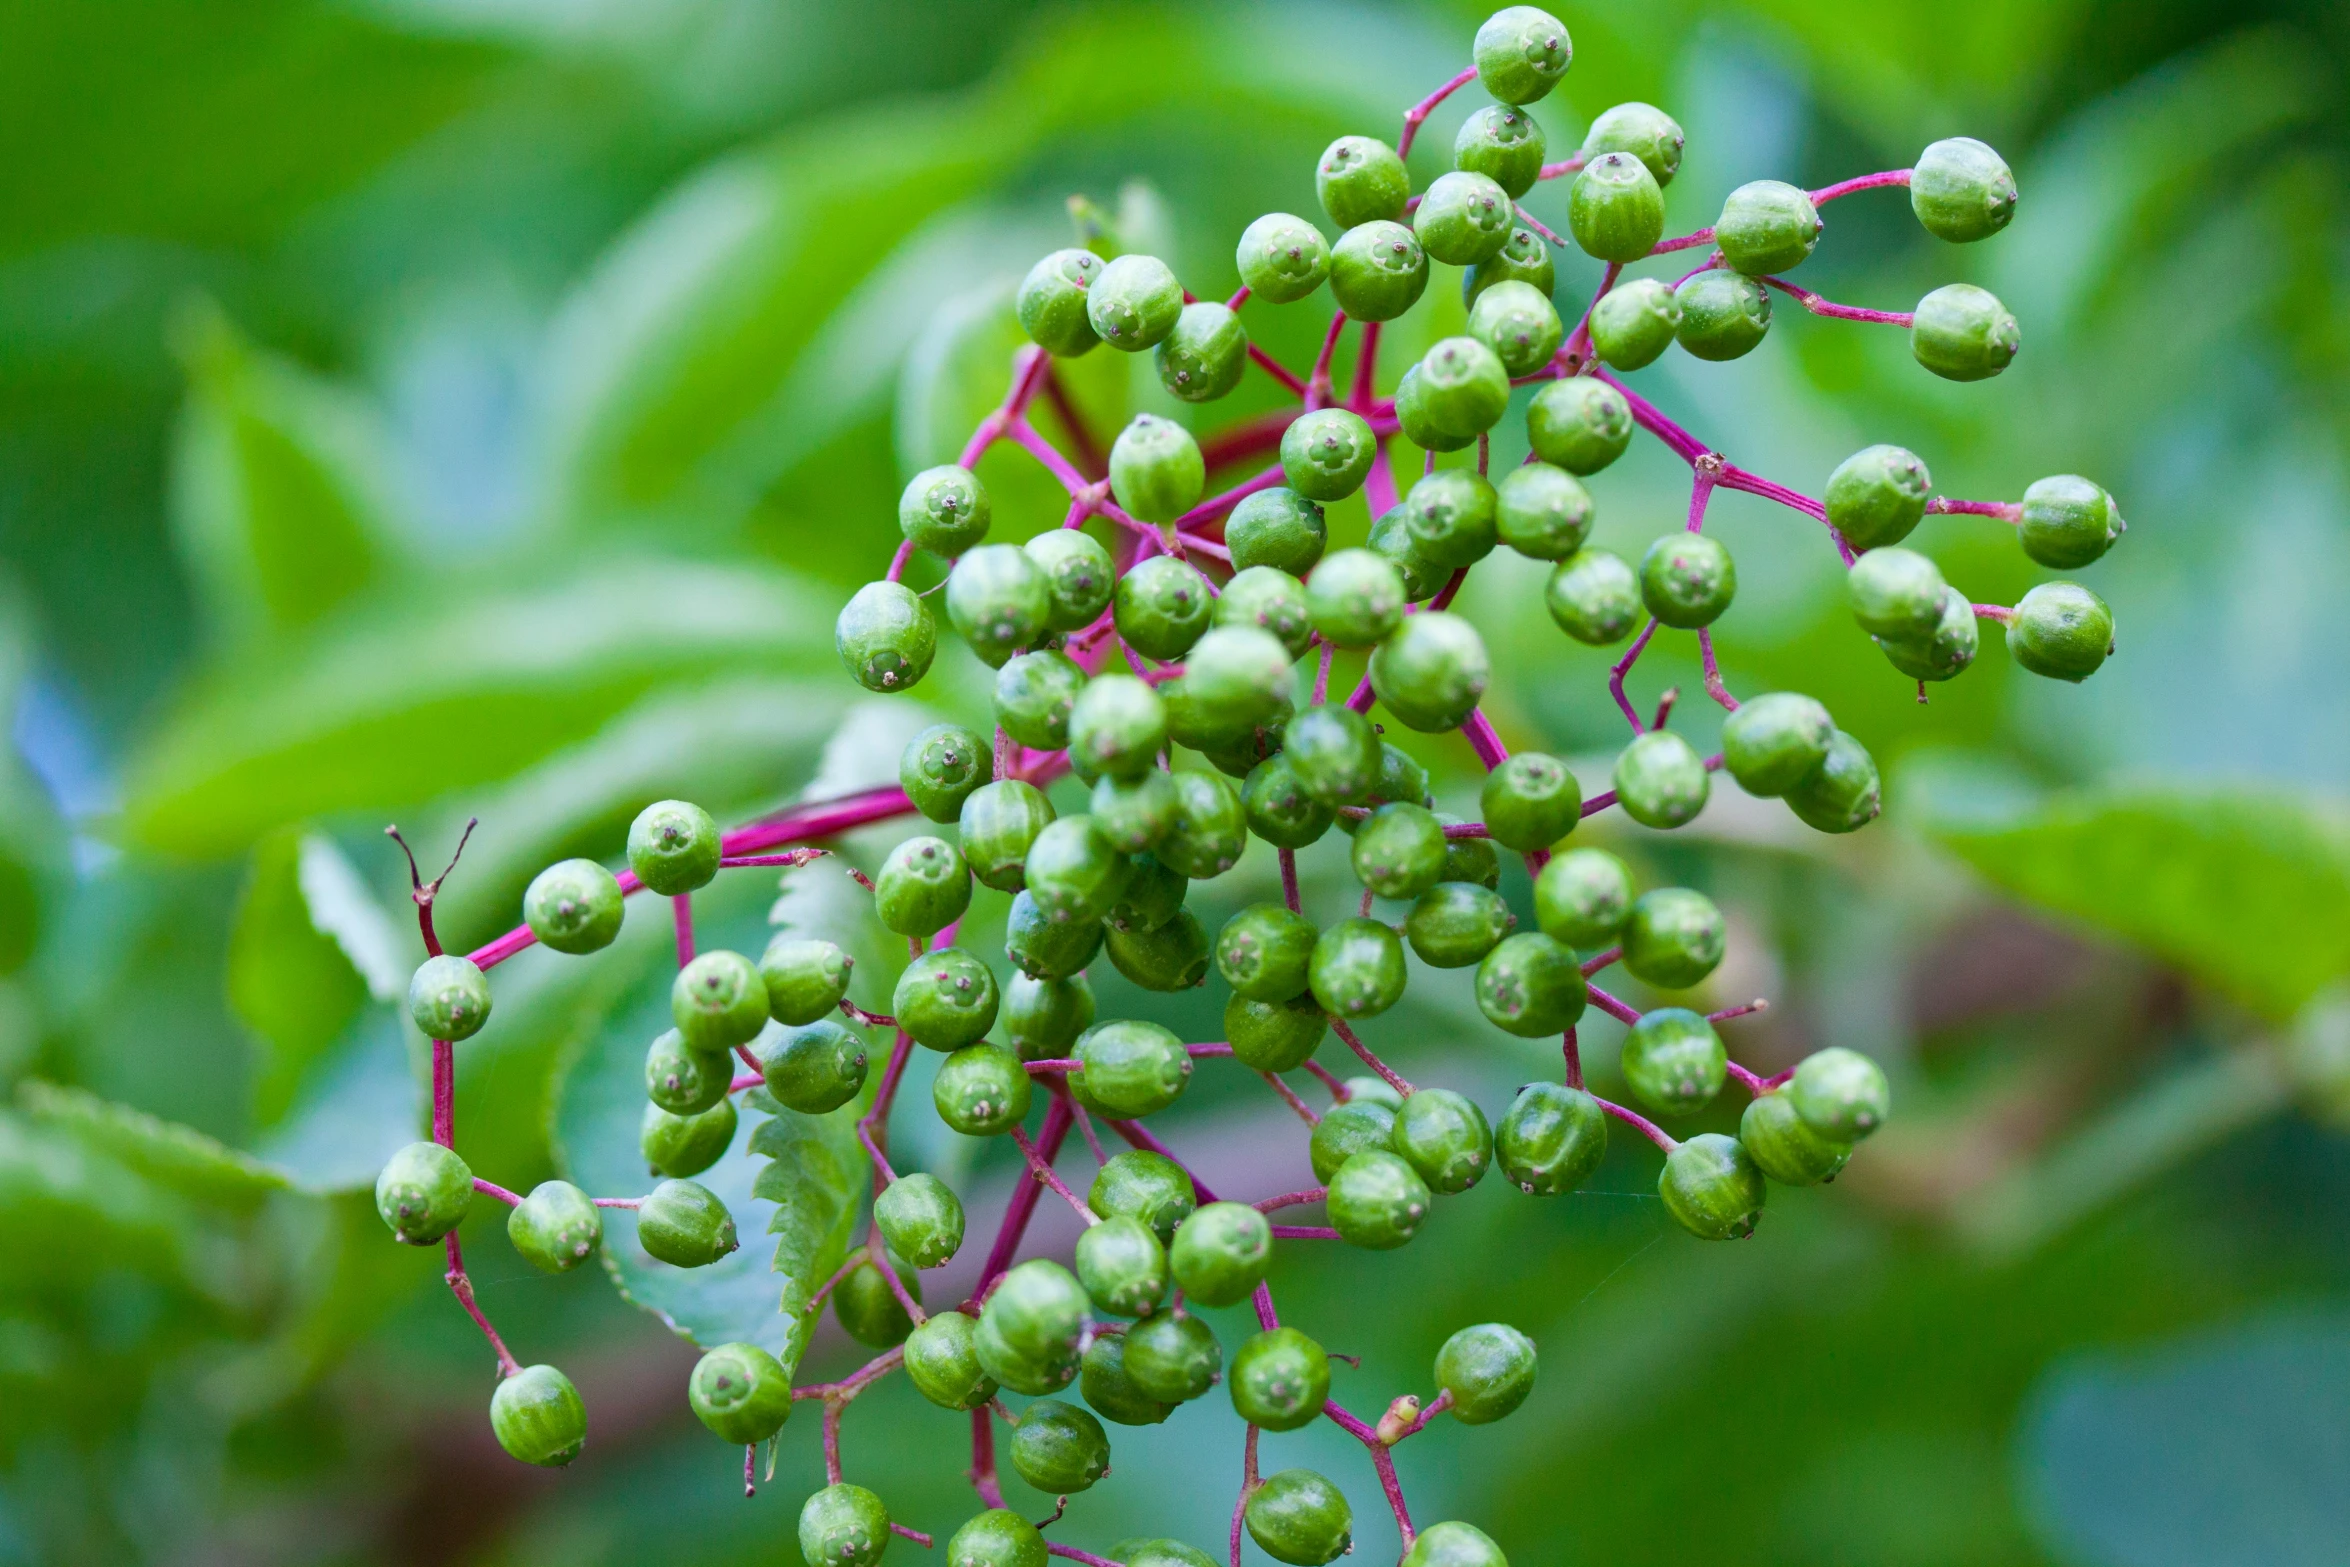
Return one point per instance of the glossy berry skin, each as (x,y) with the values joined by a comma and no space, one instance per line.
(448,997)
(2061,630)
(1463,218)
(1279,809)
(920,1219)
(1674,1061)
(1840,1094)
(1335,754)
(1359,1125)
(1633,323)
(741,1392)
(1419,424)
(538,1418)
(684,1224)
(1078,576)
(1616,210)
(1201,360)
(1168,958)
(1400,778)
(1443,1136)
(805,978)
(843,1526)
(1712,1187)
(1377,272)
(1579,424)
(1221,1253)
(1044,1014)
(1661,781)
(1173,1357)
(719,1000)
(1355,597)
(923,887)
(1583,897)
(1263,951)
(1134,304)
(683,1080)
(1075,874)
(1963,333)
(1129,1069)
(1531,801)
(1488,1369)
(1454,1544)
(1505,144)
(1961,190)
(1525,259)
(1946,651)
(1102,1378)
(940,767)
(944,510)
(1550,1139)
(1841,794)
(1674,937)
(1133,814)
(1238,678)
(1470,860)
(1542,511)
(1399,851)
(1278,528)
(1267,599)
(1210,827)
(1156,471)
(1687,580)
(2067,521)
(1033,695)
(1154,895)
(575,906)
(423,1192)
(1724,314)
(1774,741)
(998,1537)
(1456,923)
(1361,180)
(1162,607)
(1593,596)
(1045,948)
(1282,258)
(942,1362)
(1767,227)
(1274,1036)
(1326,454)
(885,637)
(945,999)
(1357,968)
(1644,131)
(1431,671)
(1122,1266)
(1144,1185)
(997,599)
(685,1144)
(556,1228)
(1297,1516)
(1051,302)
(1530,985)
(1463,388)
(1280,1380)
(1877,495)
(998,823)
(1522,52)
(1377,1200)
(1118,724)
(981,1091)
(1059,1448)
(1784,1145)
(1028,1330)
(815,1068)
(1896,594)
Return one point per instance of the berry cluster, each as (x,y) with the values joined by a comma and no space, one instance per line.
(1216,654)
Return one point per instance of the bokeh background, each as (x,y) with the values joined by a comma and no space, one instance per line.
(417,409)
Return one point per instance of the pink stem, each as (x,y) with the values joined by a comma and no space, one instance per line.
(1413,116)
(1135,1133)
(1303,1232)
(630,1203)
(1370,1060)
(2006,511)
(1552,171)
(1076,1555)
(897,562)
(915,1535)
(1248,1484)
(1262,1300)
(1713,673)
(1744,1009)
(1998,612)
(1276,369)
(1216,506)
(1304,1111)
(1827,193)
(1045,452)
(1665,247)
(1573,352)
(1484,741)
(444,1093)
(1572,1051)
(1311,1194)
(1379,485)
(1593,965)
(1383,1460)
(1647,1128)
(1539,227)
(1366,363)
(682,906)
(1318,384)
(1752,1082)
(1825,307)
(1322,1074)
(1615,684)
(1022,1207)
(1612,1006)
(1044,1172)
(1289,879)
(1238,299)
(982,1473)
(462,1287)
(492,1189)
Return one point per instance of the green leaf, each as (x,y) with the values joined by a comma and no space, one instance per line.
(288,981)
(357,1104)
(814,1174)
(173,1156)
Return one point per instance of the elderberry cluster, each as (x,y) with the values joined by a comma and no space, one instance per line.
(1229,614)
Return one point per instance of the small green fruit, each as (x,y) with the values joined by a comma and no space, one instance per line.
(1280,1380)
(556,1228)
(741,1392)
(538,1418)
(423,1192)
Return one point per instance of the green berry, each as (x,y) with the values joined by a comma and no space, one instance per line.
(1463,218)
(2061,630)
(940,767)
(1419,425)
(1133,814)
(1452,1544)
(423,1192)
(538,1418)
(1154,895)
(1147,1186)
(1946,651)
(1283,258)
(1029,1329)
(1075,874)
(686,1144)
(1963,333)
(1202,358)
(719,1000)
(1372,1090)
(1377,272)
(575,906)
(1172,1356)
(1156,470)
(1326,454)
(1449,517)
(1633,323)
(1043,1015)
(1431,671)
(1263,952)
(1444,1137)
(1644,131)
(1280,1380)
(1877,495)
(448,997)
(1399,851)
(2068,522)
(1840,1093)
(1278,528)
(1488,1369)
(1238,678)
(1221,1253)
(924,887)
(1531,801)
(997,599)
(945,999)
(1462,387)
(920,1219)
(1134,303)
(1525,259)
(1334,752)
(1052,302)
(1297,1516)
(1470,860)
(1274,1036)
(741,1392)
(815,1068)
(1522,52)
(1784,1145)
(1773,742)
(998,1537)
(1505,144)
(1211,827)
(1162,607)
(1841,794)
(1400,778)
(1580,424)
(1766,227)
(1593,596)
(942,1361)
(1687,580)
(1583,897)
(1118,724)
(1542,512)
(981,1091)
(1122,1266)
(843,1526)
(1712,1187)
(1279,809)
(1102,1378)
(1550,1139)
(1661,781)
(683,1080)
(1377,1201)
(944,510)
(1961,190)
(1520,325)
(1456,923)
(1355,598)
(1616,210)
(1033,695)
(805,978)
(1167,958)
(1895,593)
(556,1228)
(1357,969)
(1724,314)
(1046,948)
(1059,1448)
(1530,985)
(1078,576)
(1674,1061)
(1674,937)
(1360,180)
(1000,820)
(1128,1069)
(1267,599)
(1357,1126)
(685,1225)
(885,637)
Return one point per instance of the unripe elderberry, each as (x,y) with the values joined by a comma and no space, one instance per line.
(741,1392)
(1134,303)
(1644,131)
(1531,986)
(1675,1061)
(1283,258)
(1661,781)
(574,906)
(1877,495)
(1583,897)
(1961,190)
(538,1418)
(1616,210)
(1377,272)
(423,1192)
(2061,630)
(885,637)
(920,1219)
(1463,218)
(1156,470)
(1431,671)
(1522,52)
(556,1228)
(1593,596)
(1505,144)
(1051,302)
(1963,333)
(1360,180)
(448,997)
(1635,322)
(1280,1380)
(684,1224)
(944,510)
(815,1068)
(1673,938)
(843,1526)
(1712,1187)
(1278,528)
(1550,1139)
(1579,424)
(1724,314)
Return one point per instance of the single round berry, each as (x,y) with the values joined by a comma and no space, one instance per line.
(981,1091)
(1961,190)
(1550,1139)
(1202,358)
(422,1192)
(1505,144)
(1029,1329)
(944,510)
(1463,218)
(1059,1448)
(1359,1125)
(741,1392)
(1045,948)
(556,1228)
(1163,606)
(1078,576)
(1156,470)
(1525,259)
(1841,794)
(997,599)
(1043,1015)
(1431,671)
(1530,985)
(1168,958)
(1519,324)
(1134,303)
(942,1361)
(923,887)
(1471,860)
(1334,752)
(1784,1145)
(945,999)
(1278,528)
(1766,227)
(1963,333)
(1943,653)
(1444,1137)
(1264,950)
(885,637)
(1278,808)
(1211,827)
(1400,778)
(1895,593)
(1297,1516)
(1102,1378)
(1173,1356)
(1674,1061)
(1399,851)
(1000,820)
(1593,596)
(1221,1253)
(1453,1544)
(2067,521)
(1355,598)
(1326,454)
(1633,323)
(1488,1369)
(1274,1036)
(920,1219)
(719,1000)
(1724,314)
(1616,210)
(1122,1266)
(684,1224)
(1531,801)
(1774,741)
(1687,580)
(998,1537)
(1542,511)
(815,1068)
(1133,814)
(1877,495)
(1280,1380)
(449,997)
(1118,724)
(1147,1186)
(1154,895)
(1360,180)
(1282,258)
(2061,630)
(1456,923)
(1712,1187)
(1462,388)
(1232,746)
(1075,874)
(1033,695)
(805,978)
(1644,131)
(843,1526)
(1674,937)
(1377,1201)
(1128,1069)
(1238,678)
(1267,599)
(575,906)
(1583,897)
(1522,52)
(1377,272)
(1840,1094)
(538,1418)
(1661,781)
(940,767)
(683,1080)
(1357,969)
(685,1144)
(1579,424)
(1051,302)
